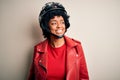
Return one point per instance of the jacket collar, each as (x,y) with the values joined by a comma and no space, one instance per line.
(69,42)
(42,47)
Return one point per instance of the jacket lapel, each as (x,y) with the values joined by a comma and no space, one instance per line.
(71,68)
(42,49)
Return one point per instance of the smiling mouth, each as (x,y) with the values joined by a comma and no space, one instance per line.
(59,31)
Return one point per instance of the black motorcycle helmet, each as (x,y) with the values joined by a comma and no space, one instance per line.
(48,12)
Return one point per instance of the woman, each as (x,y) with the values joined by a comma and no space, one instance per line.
(58,57)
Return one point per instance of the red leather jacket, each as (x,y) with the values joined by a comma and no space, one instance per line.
(76,68)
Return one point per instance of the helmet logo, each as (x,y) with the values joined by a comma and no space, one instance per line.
(54,6)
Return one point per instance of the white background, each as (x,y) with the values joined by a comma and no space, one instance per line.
(96,23)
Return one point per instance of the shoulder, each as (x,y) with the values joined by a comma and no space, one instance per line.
(76,41)
(41,46)
(72,41)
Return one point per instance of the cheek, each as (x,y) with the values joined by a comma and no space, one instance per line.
(52,29)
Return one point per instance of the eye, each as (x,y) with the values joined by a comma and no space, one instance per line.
(62,22)
(53,23)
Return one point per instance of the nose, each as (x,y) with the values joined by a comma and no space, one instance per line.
(59,24)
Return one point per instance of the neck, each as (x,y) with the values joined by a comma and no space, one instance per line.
(57,42)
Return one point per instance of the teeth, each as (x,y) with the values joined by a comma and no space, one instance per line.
(59,31)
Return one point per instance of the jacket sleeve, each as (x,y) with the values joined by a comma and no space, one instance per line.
(83,66)
(31,74)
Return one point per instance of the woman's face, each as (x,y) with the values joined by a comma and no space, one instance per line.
(57,25)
